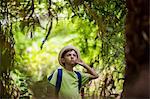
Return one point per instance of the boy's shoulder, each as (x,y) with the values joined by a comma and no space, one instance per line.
(56,69)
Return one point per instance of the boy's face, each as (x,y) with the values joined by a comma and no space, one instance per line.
(70,58)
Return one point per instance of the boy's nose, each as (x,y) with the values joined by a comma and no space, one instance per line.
(72,56)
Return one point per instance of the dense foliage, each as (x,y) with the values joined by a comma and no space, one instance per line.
(41,28)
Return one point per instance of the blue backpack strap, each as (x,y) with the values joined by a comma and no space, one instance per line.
(79,80)
(58,81)
(50,77)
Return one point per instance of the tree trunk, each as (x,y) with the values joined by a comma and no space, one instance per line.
(136,85)
(6,63)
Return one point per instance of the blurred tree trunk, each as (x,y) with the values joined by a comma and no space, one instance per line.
(7,52)
(136,83)
(5,63)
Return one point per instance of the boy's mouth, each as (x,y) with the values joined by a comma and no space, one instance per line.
(73,61)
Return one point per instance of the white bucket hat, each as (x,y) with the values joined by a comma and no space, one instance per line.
(69,47)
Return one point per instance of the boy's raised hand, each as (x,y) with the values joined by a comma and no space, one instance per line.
(91,71)
(80,62)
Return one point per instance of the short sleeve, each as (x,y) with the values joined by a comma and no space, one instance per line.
(85,78)
(54,77)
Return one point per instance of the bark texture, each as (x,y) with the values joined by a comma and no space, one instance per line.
(136,85)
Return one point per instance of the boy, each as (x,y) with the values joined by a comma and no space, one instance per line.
(68,58)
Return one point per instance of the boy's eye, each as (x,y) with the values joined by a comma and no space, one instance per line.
(68,54)
(74,55)
(71,54)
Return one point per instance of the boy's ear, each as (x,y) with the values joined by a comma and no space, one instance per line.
(62,60)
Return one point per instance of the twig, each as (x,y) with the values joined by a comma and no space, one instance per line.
(48,33)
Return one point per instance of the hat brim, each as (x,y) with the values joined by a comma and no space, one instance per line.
(64,49)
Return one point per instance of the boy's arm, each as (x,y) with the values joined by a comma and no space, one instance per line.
(91,71)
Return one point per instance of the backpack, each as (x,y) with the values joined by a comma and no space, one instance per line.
(59,80)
